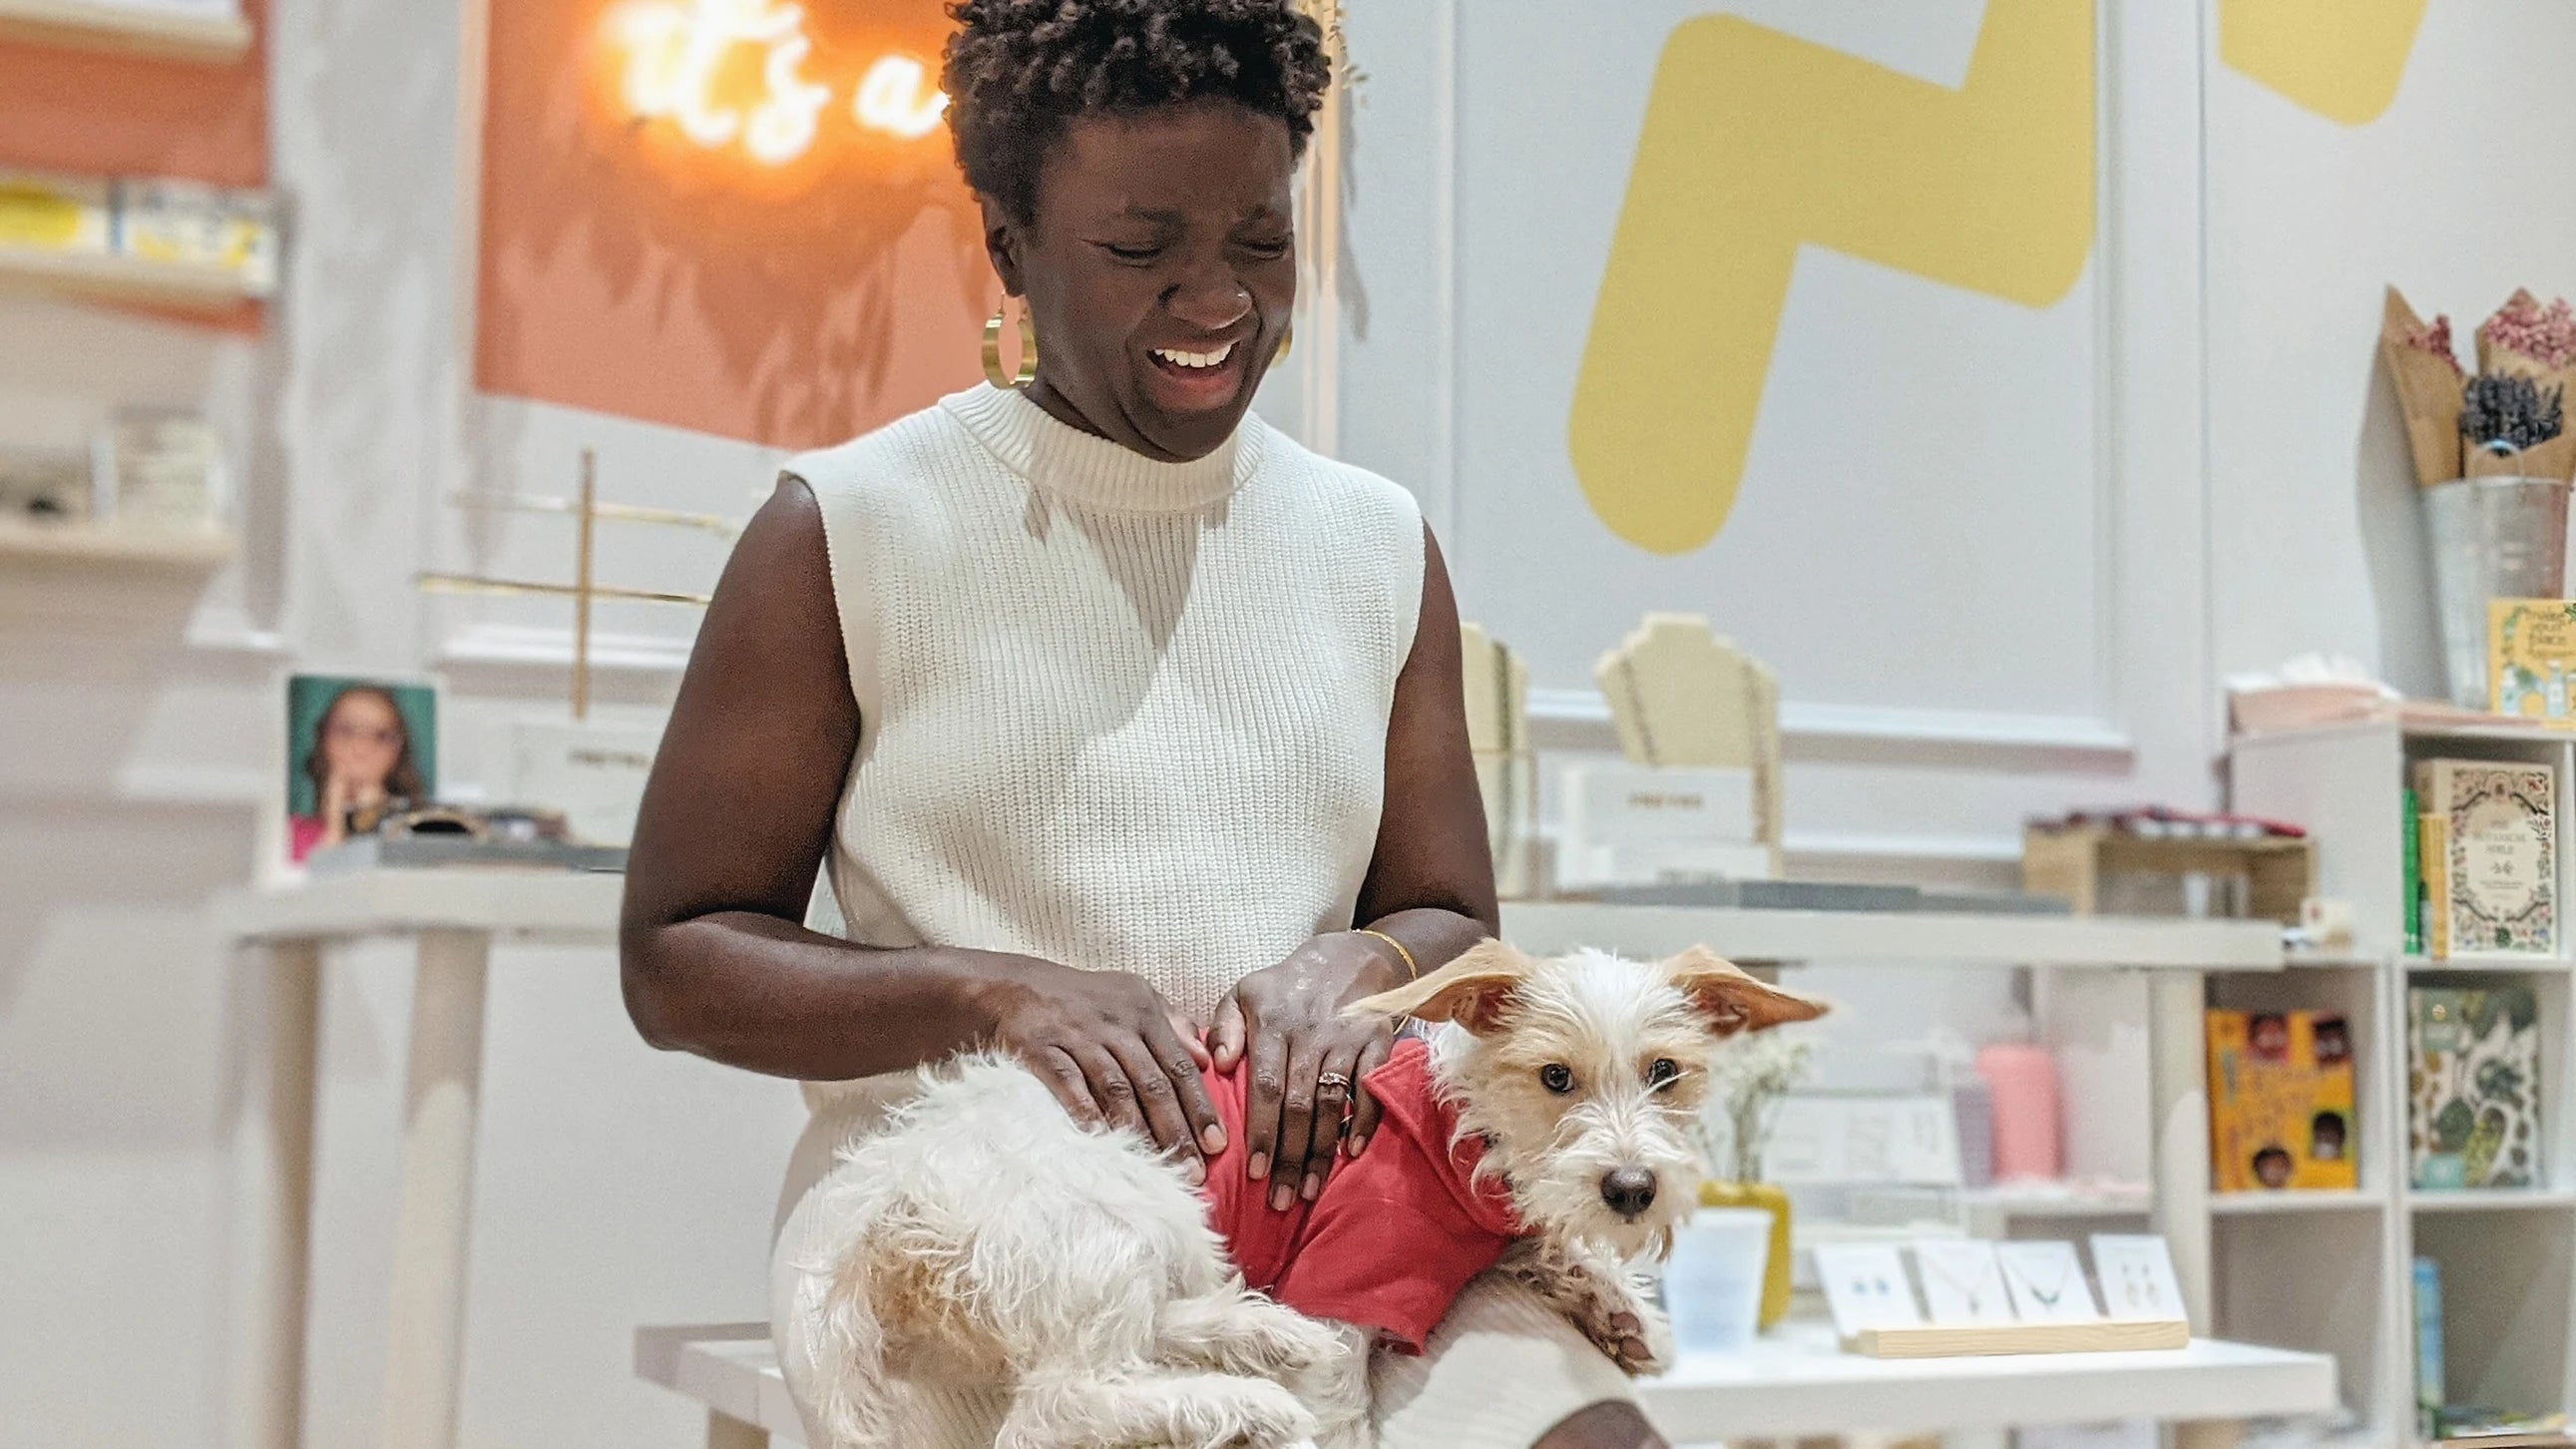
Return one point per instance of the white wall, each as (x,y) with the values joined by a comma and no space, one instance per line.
(619,1186)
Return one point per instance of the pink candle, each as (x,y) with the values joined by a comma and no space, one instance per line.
(2023,1079)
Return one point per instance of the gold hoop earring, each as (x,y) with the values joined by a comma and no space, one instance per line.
(993,350)
(1287,337)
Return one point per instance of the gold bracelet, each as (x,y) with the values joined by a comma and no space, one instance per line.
(1412,968)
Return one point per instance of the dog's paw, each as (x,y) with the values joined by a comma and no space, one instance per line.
(1652,1353)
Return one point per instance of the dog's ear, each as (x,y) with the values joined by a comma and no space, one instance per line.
(1471,990)
(1732,1001)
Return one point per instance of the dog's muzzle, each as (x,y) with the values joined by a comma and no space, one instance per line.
(1629,1191)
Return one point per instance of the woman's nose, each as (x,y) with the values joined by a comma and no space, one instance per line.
(1211,304)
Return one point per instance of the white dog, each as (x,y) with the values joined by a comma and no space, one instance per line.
(983,1237)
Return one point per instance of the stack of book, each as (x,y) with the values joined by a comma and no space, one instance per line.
(2481,860)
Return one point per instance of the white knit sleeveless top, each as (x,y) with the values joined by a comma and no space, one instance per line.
(1115,713)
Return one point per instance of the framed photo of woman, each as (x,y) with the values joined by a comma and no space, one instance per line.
(355,748)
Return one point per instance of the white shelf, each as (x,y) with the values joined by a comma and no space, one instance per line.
(101,543)
(181,286)
(2413,727)
(2485,963)
(2252,1204)
(157,33)
(2489,1200)
(1795,1382)
(1928,938)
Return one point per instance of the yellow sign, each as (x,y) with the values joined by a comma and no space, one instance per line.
(2339,58)
(1757,144)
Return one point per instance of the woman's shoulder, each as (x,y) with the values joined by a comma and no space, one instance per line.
(1333,482)
(893,456)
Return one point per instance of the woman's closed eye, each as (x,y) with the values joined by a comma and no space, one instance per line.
(1132,253)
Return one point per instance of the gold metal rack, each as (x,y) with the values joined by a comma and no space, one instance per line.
(585,589)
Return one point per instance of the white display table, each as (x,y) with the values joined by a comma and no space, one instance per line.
(451,918)
(1794,1383)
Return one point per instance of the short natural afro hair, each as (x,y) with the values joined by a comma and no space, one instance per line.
(1017,71)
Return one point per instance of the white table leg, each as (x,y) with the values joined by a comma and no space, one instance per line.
(2178,1085)
(427,1342)
(280,987)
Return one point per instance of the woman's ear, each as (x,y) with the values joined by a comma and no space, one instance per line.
(1732,1001)
(1001,244)
(1473,990)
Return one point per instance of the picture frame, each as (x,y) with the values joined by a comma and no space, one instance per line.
(355,741)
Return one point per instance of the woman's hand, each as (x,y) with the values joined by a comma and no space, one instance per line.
(1114,1053)
(1307,1058)
(335,807)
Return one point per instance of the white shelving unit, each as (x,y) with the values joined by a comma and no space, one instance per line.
(107,544)
(180,286)
(156,32)
(2338,1278)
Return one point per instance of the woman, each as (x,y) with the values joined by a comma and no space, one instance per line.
(1112,713)
(361,758)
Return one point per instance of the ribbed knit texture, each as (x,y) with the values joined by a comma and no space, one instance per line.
(1116,713)
(1126,715)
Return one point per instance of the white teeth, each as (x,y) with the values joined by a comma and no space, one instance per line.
(1195,359)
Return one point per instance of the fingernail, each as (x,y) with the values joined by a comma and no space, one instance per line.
(1280,1197)
(1198,1172)
(1354,1145)
(1258,1167)
(1314,1185)
(1213,1139)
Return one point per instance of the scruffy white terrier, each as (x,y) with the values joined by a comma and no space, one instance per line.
(985,1238)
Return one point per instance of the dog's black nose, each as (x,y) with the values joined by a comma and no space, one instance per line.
(1629,1191)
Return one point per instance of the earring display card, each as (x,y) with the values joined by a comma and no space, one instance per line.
(1866,1287)
(1963,1282)
(2047,1282)
(2137,1274)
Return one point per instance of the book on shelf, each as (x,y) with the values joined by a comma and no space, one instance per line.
(2429,1389)
(2411,864)
(2281,1101)
(2492,885)
(2473,1086)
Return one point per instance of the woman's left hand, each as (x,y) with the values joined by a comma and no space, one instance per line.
(1307,1058)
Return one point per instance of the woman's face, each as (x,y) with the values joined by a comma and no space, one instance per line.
(1160,269)
(361,740)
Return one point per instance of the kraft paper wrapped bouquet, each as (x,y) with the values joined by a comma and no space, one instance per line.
(2506,420)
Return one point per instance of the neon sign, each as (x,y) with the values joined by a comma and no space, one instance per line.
(685,61)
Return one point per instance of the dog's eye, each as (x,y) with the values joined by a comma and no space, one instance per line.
(1663,1073)
(1556,1077)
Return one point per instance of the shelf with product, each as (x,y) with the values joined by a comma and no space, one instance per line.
(194,34)
(2464,1080)
(110,545)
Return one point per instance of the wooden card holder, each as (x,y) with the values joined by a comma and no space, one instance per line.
(2002,1338)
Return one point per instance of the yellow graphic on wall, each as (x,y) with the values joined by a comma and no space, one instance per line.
(2339,58)
(1756,144)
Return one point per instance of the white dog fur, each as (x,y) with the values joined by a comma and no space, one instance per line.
(985,1238)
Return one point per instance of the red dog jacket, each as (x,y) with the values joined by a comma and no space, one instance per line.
(1397,1232)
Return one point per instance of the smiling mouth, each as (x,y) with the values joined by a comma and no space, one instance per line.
(1198,379)
(1193,361)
